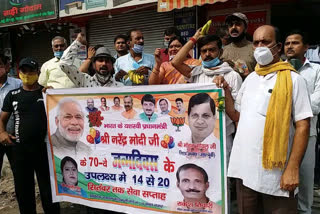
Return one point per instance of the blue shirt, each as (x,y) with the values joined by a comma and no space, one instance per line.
(10,84)
(127,63)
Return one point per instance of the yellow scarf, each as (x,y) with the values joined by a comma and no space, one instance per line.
(276,130)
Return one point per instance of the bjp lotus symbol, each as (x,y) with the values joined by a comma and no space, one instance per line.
(177,121)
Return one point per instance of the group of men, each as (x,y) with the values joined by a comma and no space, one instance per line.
(273,104)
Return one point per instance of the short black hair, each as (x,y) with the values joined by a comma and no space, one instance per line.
(64,161)
(148,98)
(130,31)
(209,38)
(192,166)
(162,100)
(177,38)
(171,30)
(179,99)
(200,98)
(114,99)
(120,36)
(305,39)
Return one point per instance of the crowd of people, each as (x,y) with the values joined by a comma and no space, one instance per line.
(271,102)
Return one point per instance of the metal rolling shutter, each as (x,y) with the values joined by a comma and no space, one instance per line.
(102,30)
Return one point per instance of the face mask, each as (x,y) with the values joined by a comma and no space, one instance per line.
(171,57)
(138,48)
(58,54)
(263,55)
(212,63)
(166,44)
(296,63)
(28,79)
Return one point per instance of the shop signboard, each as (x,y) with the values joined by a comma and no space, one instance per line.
(14,12)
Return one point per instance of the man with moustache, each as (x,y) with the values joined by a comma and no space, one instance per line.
(102,63)
(273,110)
(212,67)
(295,47)
(240,49)
(148,102)
(129,112)
(136,60)
(120,45)
(90,106)
(116,106)
(193,182)
(163,103)
(70,122)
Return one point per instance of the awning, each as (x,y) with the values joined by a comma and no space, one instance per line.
(167,5)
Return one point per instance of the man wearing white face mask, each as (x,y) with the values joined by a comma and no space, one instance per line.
(135,61)
(51,74)
(210,49)
(273,110)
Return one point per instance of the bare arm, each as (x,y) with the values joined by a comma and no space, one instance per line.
(86,64)
(5,138)
(290,176)
(178,60)
(230,110)
(154,77)
(229,102)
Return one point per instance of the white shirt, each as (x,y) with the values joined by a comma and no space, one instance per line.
(246,155)
(52,75)
(311,73)
(233,79)
(80,79)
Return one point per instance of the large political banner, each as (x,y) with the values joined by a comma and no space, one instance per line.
(150,149)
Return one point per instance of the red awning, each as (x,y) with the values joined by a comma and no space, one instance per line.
(167,5)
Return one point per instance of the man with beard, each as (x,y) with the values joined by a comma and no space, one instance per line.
(295,47)
(70,122)
(102,63)
(240,49)
(129,112)
(90,106)
(148,102)
(135,61)
(193,182)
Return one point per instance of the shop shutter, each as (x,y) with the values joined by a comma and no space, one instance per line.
(102,30)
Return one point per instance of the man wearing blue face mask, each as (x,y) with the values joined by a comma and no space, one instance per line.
(51,74)
(136,61)
(210,48)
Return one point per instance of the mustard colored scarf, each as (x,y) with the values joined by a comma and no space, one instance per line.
(276,130)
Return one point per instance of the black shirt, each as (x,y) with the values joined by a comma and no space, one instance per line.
(30,120)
